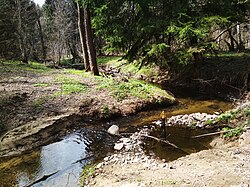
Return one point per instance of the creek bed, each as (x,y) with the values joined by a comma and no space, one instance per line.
(69,155)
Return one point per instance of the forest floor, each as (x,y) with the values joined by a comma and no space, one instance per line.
(37,100)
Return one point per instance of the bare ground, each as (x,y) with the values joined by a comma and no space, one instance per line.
(224,165)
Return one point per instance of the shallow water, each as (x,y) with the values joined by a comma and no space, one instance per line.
(69,155)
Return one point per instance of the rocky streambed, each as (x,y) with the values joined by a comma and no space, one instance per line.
(198,119)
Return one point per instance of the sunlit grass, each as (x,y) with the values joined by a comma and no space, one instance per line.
(107,59)
(31,67)
(40,85)
(69,86)
(132,87)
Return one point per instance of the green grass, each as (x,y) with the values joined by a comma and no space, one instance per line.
(132,68)
(132,87)
(31,67)
(41,85)
(107,59)
(39,102)
(233,132)
(69,86)
(88,172)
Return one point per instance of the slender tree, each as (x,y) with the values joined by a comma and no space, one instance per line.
(87,37)
(82,32)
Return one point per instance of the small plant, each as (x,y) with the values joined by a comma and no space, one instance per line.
(87,173)
(247,112)
(41,85)
(105,111)
(226,117)
(39,102)
(209,122)
(232,132)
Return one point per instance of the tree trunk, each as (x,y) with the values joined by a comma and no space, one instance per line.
(231,47)
(89,42)
(21,34)
(42,40)
(83,37)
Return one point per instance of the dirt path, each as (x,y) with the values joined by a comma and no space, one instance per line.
(224,165)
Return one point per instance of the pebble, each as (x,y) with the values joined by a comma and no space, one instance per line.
(118,146)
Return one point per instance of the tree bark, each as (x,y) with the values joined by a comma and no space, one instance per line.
(21,34)
(89,42)
(42,40)
(81,28)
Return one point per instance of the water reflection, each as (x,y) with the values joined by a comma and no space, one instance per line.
(182,137)
(66,157)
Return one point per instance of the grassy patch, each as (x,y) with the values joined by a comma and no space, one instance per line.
(133,68)
(107,59)
(233,132)
(32,66)
(39,102)
(69,86)
(132,87)
(88,172)
(41,85)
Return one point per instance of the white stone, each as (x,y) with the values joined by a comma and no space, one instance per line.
(118,146)
(114,130)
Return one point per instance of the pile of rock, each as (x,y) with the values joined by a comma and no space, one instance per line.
(196,119)
(129,150)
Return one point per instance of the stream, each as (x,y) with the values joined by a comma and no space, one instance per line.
(89,144)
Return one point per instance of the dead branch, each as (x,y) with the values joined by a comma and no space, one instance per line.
(43,178)
(224,31)
(215,133)
(165,141)
(202,81)
(159,140)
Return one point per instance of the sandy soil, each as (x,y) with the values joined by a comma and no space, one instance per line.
(224,165)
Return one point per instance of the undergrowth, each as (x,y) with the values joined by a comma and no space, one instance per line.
(237,119)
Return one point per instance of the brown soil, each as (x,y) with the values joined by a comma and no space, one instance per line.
(224,165)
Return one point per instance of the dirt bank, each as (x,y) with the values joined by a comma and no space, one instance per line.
(34,99)
(226,164)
